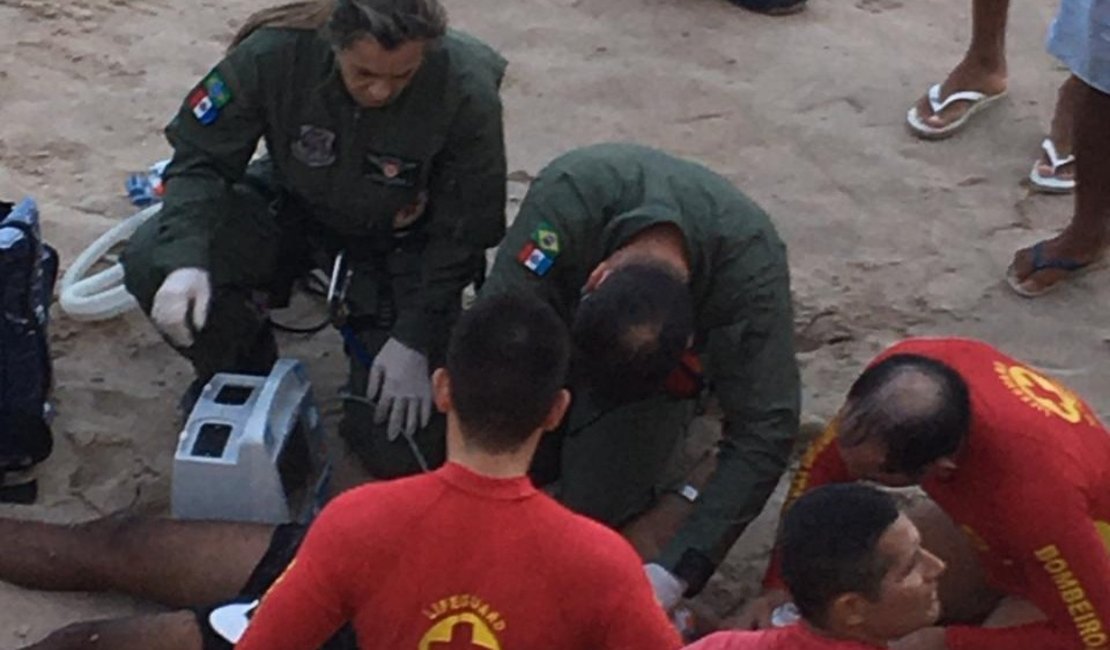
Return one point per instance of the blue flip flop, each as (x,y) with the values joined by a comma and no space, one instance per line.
(1042,263)
(772,7)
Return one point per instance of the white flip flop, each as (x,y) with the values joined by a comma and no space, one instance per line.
(1051,184)
(978,102)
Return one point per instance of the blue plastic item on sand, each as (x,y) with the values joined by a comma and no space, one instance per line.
(145,188)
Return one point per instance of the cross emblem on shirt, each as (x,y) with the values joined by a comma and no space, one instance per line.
(462,638)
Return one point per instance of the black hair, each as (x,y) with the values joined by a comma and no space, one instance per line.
(507,360)
(630,333)
(828,544)
(390,22)
(918,407)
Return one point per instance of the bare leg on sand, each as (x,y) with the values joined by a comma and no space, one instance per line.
(174,563)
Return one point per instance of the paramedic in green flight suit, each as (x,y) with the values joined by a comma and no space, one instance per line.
(660,266)
(383,140)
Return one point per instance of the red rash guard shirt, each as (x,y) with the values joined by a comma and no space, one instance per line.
(792,637)
(1032,491)
(452,560)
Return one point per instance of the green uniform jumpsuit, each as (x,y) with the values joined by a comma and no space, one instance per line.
(413,192)
(583,207)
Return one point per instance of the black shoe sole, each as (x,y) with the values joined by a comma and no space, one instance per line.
(775,11)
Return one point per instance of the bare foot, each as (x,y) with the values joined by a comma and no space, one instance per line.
(965,76)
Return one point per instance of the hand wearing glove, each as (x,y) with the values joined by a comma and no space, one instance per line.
(759,613)
(405,400)
(668,588)
(181,305)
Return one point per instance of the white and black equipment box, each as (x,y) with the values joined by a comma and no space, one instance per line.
(252,450)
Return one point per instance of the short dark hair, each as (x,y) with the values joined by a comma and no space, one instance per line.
(918,407)
(507,360)
(828,544)
(630,333)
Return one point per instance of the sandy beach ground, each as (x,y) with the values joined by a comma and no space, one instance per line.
(888,236)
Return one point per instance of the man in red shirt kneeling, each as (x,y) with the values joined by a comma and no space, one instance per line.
(1016,465)
(857,571)
(471,555)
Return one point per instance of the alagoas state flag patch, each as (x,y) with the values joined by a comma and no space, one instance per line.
(535,259)
(208,98)
(539,252)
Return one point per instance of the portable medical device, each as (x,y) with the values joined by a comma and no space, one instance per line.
(252,450)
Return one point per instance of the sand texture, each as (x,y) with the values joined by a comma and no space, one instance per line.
(888,236)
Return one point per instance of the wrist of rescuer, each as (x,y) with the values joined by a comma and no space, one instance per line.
(694,569)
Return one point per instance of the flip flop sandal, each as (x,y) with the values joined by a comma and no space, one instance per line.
(1072,267)
(18,487)
(1051,184)
(978,101)
(772,7)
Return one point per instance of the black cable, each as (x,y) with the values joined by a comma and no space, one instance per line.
(313,286)
(288,329)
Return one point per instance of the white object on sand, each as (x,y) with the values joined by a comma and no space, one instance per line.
(1051,183)
(102,295)
(252,450)
(978,101)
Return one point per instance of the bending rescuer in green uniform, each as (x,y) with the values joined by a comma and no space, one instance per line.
(383,134)
(659,265)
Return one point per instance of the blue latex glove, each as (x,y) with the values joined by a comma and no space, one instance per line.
(401,385)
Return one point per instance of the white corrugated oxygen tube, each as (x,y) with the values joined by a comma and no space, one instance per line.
(102,295)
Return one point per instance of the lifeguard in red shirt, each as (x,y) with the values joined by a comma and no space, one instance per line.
(1017,460)
(858,573)
(471,556)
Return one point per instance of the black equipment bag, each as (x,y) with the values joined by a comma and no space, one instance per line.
(28,269)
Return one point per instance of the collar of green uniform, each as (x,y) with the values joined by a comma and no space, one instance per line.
(620,230)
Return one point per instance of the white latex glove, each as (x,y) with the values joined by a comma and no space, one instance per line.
(184,295)
(401,374)
(668,588)
(759,612)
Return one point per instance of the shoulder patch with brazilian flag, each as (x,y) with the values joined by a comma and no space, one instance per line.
(539,253)
(208,98)
(546,238)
